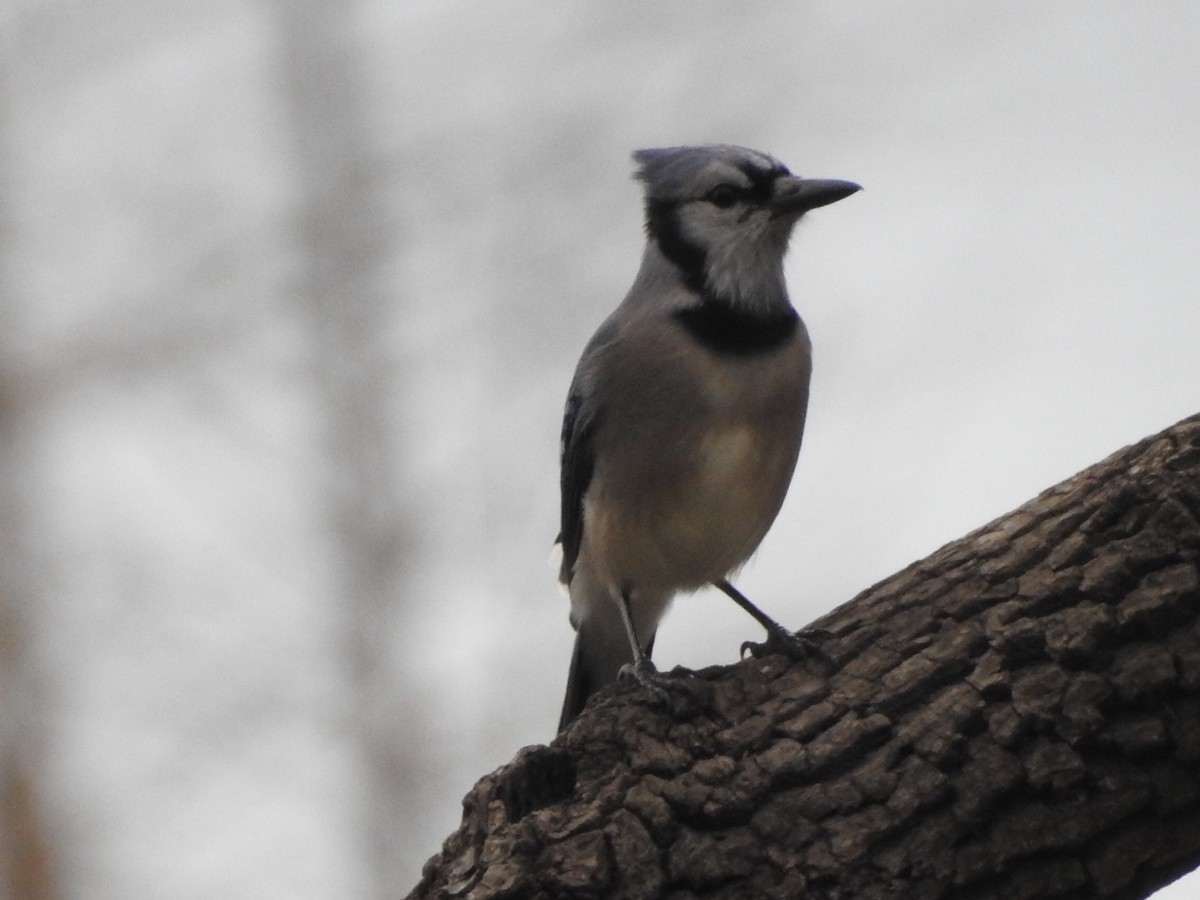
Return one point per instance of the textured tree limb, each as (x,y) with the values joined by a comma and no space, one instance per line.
(1016,716)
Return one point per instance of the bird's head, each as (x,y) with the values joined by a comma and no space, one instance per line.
(723,215)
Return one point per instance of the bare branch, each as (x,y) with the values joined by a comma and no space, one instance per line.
(1017,715)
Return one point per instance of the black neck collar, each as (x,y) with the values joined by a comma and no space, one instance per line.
(732,331)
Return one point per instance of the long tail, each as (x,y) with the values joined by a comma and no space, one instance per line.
(579,686)
(601,649)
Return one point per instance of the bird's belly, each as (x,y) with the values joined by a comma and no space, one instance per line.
(726,502)
(699,521)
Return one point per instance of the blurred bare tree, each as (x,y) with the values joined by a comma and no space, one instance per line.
(26,859)
(343,238)
(26,854)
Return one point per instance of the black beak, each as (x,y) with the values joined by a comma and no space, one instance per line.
(793,196)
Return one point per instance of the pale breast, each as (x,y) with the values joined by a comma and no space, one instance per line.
(701,470)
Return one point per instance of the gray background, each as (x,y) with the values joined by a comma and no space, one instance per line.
(290,295)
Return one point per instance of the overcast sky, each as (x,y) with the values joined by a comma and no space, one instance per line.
(1012,297)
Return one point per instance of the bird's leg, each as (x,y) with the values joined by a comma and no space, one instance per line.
(676,694)
(779,639)
(641,659)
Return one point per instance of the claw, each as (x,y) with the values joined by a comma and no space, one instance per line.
(799,646)
(645,674)
(678,692)
(643,671)
(779,639)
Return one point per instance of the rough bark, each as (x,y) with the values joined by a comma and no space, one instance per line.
(1016,716)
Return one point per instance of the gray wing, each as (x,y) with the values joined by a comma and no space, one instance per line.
(581,418)
(577,465)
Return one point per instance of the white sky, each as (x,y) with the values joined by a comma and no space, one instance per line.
(1012,297)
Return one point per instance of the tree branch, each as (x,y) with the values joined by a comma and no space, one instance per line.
(1016,716)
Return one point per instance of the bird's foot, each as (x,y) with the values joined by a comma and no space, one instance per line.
(646,674)
(800,645)
(677,691)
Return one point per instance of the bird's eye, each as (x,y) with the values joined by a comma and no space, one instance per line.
(723,195)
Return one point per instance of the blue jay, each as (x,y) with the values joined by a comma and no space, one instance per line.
(684,418)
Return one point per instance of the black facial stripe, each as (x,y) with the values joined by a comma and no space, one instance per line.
(730,331)
(662,226)
(762,182)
